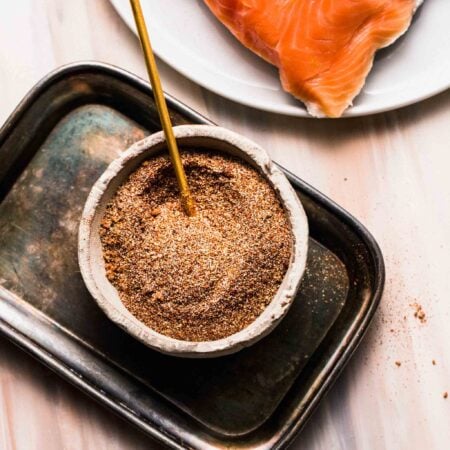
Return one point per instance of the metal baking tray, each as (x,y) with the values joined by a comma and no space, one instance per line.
(52,149)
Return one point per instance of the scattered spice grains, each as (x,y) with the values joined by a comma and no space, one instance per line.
(419,313)
(203,277)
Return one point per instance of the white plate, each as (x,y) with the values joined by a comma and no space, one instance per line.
(187,36)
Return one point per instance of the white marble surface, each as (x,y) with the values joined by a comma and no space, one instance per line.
(391,171)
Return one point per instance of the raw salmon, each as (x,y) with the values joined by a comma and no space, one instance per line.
(324,49)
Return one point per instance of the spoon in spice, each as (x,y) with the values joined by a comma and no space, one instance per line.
(186,196)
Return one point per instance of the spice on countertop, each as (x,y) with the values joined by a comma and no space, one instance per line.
(433,362)
(203,277)
(445,395)
(419,313)
(398,363)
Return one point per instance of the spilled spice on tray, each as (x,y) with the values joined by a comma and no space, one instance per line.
(203,277)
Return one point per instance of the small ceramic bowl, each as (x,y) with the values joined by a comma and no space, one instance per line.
(90,250)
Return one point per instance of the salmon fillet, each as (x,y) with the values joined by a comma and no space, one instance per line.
(324,49)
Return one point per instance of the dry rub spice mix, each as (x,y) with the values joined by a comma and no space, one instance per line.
(203,277)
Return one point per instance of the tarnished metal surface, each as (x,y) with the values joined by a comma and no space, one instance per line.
(256,397)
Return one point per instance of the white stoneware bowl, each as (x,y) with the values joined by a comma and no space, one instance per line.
(90,250)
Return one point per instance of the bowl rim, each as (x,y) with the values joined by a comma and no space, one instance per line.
(219,139)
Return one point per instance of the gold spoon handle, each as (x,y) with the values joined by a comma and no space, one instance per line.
(186,196)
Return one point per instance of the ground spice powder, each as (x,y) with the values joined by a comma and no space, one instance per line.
(203,277)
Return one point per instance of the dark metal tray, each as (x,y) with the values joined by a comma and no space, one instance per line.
(52,149)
